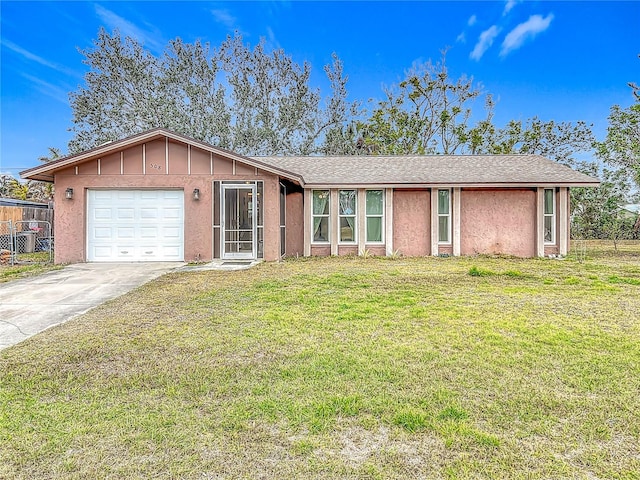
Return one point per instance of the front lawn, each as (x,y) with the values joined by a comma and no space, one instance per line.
(340,368)
(30,264)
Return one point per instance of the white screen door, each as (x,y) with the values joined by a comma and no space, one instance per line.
(239,221)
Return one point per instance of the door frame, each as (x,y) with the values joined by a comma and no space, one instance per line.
(224,255)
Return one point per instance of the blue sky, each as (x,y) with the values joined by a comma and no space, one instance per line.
(562,61)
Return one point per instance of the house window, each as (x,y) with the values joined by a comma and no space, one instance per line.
(549,215)
(444,216)
(283,219)
(347,215)
(374,213)
(320,215)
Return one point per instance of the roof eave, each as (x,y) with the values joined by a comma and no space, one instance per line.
(42,170)
(46,172)
(325,185)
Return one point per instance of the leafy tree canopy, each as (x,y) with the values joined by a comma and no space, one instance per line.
(597,212)
(427,113)
(256,102)
(32,190)
(236,97)
(431,113)
(557,141)
(621,147)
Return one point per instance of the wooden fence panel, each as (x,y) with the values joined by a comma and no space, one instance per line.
(22,214)
(10,213)
(40,214)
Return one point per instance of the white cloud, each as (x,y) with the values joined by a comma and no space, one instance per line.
(225,18)
(484,42)
(472,20)
(54,91)
(271,39)
(525,31)
(462,38)
(127,29)
(35,58)
(28,55)
(508,6)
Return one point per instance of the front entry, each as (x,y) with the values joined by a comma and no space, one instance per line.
(239,221)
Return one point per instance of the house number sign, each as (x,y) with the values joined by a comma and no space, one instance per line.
(155,166)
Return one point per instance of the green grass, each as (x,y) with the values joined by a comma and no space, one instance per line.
(340,368)
(30,264)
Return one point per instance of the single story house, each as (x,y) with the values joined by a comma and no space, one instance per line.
(160,196)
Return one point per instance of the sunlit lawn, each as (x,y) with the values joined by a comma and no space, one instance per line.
(340,368)
(27,265)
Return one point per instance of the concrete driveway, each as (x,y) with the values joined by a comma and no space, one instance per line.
(31,305)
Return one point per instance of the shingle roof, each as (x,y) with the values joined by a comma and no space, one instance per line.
(436,170)
(431,169)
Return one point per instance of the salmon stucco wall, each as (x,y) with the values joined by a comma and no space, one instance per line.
(271,207)
(411,222)
(320,250)
(294,244)
(347,250)
(149,166)
(498,222)
(69,218)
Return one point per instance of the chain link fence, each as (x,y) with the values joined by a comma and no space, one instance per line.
(23,242)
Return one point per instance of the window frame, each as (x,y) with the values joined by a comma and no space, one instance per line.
(444,215)
(321,215)
(353,216)
(551,215)
(368,216)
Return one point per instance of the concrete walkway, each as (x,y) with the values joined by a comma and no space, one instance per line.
(31,305)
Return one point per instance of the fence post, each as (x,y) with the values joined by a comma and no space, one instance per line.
(7,242)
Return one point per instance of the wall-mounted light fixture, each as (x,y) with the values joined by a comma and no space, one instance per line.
(68,193)
(196,194)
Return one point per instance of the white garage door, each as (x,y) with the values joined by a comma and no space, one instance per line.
(135,225)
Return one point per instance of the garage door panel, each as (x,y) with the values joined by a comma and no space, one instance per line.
(152,212)
(135,225)
(171,213)
(171,232)
(151,195)
(103,213)
(126,252)
(129,195)
(171,252)
(149,232)
(173,194)
(103,252)
(102,233)
(148,251)
(125,214)
(103,194)
(125,233)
